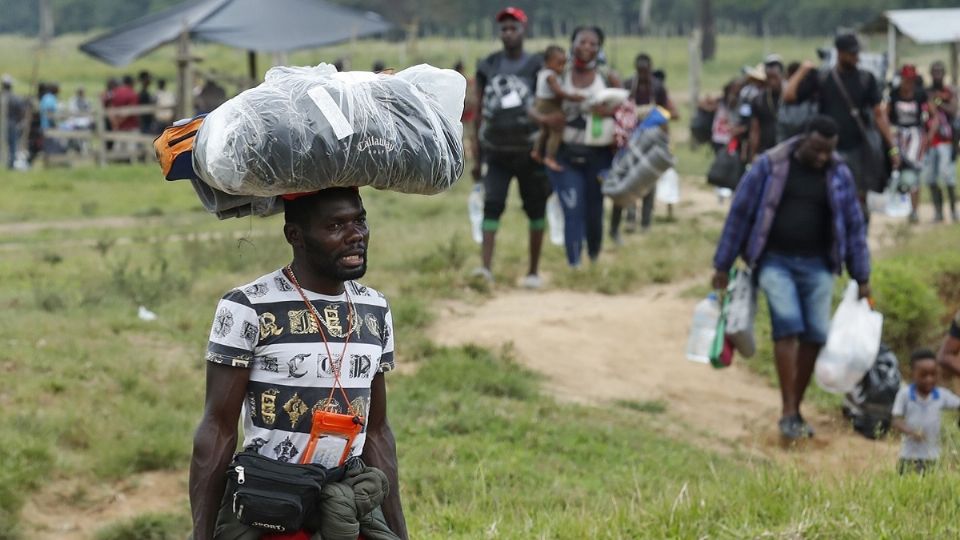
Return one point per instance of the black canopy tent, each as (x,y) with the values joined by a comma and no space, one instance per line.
(254,25)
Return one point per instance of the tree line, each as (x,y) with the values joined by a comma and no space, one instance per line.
(473,18)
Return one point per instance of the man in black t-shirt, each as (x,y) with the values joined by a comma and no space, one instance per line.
(864,94)
(764,109)
(646,89)
(796,221)
(506,83)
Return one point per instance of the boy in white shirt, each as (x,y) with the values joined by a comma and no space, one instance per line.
(916,414)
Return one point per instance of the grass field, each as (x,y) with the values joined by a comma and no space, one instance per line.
(92,392)
(63,62)
(103,395)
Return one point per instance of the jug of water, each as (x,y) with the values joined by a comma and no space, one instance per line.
(704,328)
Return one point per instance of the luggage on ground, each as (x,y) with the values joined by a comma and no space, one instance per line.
(869,406)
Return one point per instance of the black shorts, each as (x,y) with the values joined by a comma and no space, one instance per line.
(531,178)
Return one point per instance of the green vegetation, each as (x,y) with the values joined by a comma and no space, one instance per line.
(147,527)
(99,395)
(103,395)
(449,18)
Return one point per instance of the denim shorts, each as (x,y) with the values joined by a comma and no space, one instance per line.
(799,292)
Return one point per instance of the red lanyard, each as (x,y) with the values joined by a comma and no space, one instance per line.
(335,366)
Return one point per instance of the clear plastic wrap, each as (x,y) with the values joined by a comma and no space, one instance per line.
(637,167)
(310,128)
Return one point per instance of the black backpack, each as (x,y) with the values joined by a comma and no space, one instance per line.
(869,406)
(505,125)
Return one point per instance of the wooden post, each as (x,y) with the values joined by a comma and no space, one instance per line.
(184,76)
(695,62)
(99,143)
(4,130)
(953,63)
(252,68)
(891,48)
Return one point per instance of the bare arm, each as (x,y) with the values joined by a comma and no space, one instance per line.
(558,90)
(793,84)
(900,425)
(949,355)
(883,123)
(754,139)
(950,107)
(214,444)
(480,82)
(883,126)
(380,451)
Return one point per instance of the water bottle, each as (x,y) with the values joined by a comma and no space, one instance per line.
(555,220)
(704,328)
(475,209)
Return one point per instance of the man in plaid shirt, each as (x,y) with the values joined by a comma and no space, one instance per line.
(796,221)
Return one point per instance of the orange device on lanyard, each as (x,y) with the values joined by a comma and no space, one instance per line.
(332,433)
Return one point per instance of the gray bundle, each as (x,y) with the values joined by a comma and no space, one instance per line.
(311,128)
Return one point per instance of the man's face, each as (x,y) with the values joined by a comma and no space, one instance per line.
(643,68)
(816,150)
(925,375)
(937,73)
(335,243)
(848,59)
(774,76)
(907,85)
(511,33)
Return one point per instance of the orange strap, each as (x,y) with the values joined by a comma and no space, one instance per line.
(316,320)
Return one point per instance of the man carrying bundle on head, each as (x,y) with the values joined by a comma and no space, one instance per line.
(299,355)
(303,338)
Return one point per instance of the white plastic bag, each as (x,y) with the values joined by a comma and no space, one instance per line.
(898,204)
(852,345)
(555,219)
(310,128)
(668,187)
(741,313)
(475,211)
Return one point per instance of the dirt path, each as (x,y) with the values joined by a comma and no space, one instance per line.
(599,349)
(632,346)
(81,508)
(633,349)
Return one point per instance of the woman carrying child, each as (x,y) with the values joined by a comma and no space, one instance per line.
(586,149)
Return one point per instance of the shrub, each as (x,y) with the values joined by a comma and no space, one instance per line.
(146,527)
(910,306)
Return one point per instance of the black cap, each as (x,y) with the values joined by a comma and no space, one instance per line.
(847,43)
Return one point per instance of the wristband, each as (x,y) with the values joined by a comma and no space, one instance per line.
(894,151)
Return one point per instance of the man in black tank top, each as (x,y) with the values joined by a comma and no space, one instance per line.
(506,82)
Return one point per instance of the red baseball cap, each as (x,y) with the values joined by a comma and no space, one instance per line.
(908,71)
(513,13)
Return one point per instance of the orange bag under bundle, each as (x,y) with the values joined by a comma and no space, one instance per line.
(174,148)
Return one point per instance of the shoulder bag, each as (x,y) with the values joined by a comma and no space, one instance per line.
(872,156)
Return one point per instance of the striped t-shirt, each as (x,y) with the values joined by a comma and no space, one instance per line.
(265,327)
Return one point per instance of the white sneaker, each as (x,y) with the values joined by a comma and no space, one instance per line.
(532,281)
(482,273)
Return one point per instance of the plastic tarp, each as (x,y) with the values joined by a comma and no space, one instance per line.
(257,25)
(923,26)
(311,128)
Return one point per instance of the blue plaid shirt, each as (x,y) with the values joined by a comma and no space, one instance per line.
(755,204)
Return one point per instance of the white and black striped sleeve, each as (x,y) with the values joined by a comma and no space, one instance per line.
(235,331)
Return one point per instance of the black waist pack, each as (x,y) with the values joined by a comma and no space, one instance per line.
(276,496)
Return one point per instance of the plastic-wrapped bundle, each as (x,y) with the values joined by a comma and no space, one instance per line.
(637,167)
(310,128)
